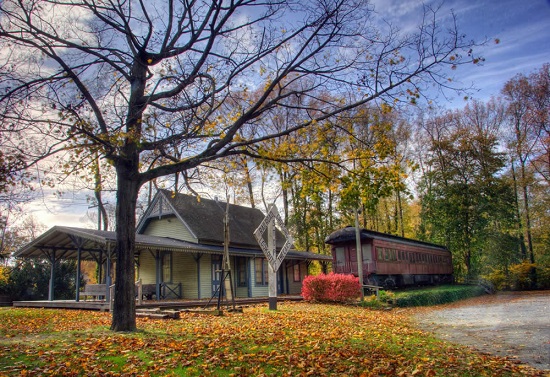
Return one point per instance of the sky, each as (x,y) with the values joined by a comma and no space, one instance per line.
(521,26)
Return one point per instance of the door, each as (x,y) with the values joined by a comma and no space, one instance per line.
(216,274)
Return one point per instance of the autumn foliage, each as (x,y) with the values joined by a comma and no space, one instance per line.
(299,339)
(520,276)
(331,288)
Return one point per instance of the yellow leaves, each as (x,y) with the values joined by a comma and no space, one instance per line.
(263,70)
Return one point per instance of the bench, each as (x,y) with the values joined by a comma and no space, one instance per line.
(94,290)
(371,289)
(148,291)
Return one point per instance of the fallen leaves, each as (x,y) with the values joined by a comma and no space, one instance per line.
(297,340)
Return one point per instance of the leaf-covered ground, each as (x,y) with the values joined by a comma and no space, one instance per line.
(299,339)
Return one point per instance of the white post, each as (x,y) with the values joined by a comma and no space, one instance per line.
(270,249)
(272,273)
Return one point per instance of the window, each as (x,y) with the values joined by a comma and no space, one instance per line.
(366,252)
(260,269)
(340,256)
(167,267)
(240,268)
(296,273)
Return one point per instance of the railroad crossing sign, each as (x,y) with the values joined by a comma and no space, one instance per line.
(270,249)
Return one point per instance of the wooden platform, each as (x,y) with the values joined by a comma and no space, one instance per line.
(165,304)
(64,304)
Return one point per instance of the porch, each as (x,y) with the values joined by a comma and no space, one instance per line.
(102,305)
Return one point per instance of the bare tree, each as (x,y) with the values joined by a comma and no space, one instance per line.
(159,88)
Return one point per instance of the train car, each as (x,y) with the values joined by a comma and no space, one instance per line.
(390,261)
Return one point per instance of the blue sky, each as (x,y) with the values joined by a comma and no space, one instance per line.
(522,26)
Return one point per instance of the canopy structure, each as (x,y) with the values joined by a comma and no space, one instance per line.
(61,243)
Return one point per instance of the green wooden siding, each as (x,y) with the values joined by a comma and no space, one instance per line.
(147,265)
(295,287)
(170,227)
(257,290)
(184,271)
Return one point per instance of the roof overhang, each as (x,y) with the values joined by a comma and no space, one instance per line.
(67,242)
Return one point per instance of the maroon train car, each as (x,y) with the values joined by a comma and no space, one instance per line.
(390,261)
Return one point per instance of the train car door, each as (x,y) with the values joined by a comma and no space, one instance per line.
(368,261)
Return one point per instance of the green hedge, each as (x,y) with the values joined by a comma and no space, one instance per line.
(435,296)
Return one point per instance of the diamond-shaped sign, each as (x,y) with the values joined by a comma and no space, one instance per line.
(270,219)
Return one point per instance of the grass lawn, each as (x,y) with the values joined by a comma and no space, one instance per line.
(299,339)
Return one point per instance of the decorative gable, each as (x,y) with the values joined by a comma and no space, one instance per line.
(160,207)
(161,219)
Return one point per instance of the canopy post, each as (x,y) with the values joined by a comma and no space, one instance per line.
(100,268)
(78,242)
(52,276)
(108,274)
(197,258)
(158,274)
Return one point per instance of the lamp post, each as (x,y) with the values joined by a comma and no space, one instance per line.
(359,253)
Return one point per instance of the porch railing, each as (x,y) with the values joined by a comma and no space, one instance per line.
(167,290)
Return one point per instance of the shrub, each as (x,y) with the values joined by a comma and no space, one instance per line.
(437,295)
(520,276)
(331,288)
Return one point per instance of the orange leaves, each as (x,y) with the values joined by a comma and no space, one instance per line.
(297,340)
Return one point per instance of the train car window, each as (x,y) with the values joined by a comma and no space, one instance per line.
(367,253)
(340,256)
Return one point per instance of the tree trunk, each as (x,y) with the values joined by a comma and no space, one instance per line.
(526,206)
(124,308)
(519,222)
(400,222)
(248,179)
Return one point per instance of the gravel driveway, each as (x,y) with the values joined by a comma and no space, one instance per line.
(508,324)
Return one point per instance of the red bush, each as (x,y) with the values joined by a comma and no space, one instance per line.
(331,288)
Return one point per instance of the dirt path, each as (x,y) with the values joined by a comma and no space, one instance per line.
(505,324)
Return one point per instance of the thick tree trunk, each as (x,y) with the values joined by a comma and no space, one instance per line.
(124,308)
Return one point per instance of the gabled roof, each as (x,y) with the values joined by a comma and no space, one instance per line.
(347,234)
(204,218)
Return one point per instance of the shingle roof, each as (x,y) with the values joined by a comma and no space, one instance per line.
(205,217)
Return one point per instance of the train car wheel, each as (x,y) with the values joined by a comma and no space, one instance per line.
(389,283)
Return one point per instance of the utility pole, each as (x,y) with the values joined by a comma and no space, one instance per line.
(359,253)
